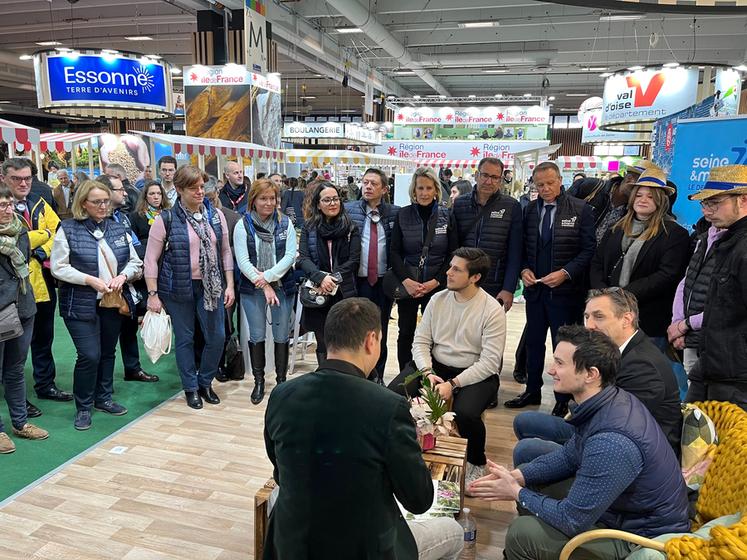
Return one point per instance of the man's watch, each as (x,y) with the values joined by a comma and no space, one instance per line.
(152,292)
(453,384)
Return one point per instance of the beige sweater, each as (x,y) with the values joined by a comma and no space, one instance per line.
(469,335)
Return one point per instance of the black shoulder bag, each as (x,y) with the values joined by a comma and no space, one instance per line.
(393,287)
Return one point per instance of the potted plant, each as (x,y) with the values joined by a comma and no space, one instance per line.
(429,410)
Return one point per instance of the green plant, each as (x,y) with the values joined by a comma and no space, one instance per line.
(429,395)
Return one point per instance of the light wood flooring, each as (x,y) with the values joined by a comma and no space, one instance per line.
(184,485)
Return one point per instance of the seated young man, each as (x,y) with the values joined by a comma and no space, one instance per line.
(338,477)
(644,372)
(618,471)
(461,339)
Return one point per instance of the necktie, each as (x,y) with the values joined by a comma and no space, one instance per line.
(26,215)
(373,252)
(546,223)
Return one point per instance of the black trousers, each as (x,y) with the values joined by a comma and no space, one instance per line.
(42,339)
(468,405)
(128,345)
(376,294)
(407,310)
(521,353)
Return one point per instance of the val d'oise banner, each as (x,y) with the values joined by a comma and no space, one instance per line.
(701,145)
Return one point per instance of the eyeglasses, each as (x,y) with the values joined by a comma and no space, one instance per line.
(712,203)
(118,190)
(332,200)
(4,206)
(492,178)
(100,203)
(17,179)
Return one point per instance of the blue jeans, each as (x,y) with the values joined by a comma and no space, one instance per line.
(255,309)
(96,344)
(183,315)
(13,354)
(538,434)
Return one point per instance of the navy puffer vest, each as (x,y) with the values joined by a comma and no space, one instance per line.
(80,302)
(357,210)
(175,270)
(281,236)
(697,281)
(656,502)
(490,234)
(413,238)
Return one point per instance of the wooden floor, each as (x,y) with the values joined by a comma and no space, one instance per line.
(183,486)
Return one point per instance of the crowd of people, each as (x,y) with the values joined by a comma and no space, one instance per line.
(604,265)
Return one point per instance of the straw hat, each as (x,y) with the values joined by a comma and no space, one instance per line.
(639,167)
(655,178)
(727,179)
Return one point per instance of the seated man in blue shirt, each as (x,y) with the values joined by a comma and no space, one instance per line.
(626,474)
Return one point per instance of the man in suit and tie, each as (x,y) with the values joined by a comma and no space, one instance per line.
(342,450)
(63,194)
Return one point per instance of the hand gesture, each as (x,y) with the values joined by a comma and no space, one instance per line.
(98,284)
(270,297)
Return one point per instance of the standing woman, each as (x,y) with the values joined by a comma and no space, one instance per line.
(194,279)
(150,203)
(330,244)
(93,256)
(424,232)
(265,242)
(15,289)
(646,253)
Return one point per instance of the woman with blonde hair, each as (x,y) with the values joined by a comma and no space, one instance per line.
(194,279)
(646,253)
(265,243)
(423,238)
(94,261)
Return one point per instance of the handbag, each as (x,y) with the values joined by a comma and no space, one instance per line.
(114,299)
(392,285)
(311,295)
(10,323)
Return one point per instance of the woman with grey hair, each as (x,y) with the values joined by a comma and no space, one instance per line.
(423,239)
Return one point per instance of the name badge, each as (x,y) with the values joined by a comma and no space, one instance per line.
(498,214)
(569,222)
(283,235)
(121,241)
(441,230)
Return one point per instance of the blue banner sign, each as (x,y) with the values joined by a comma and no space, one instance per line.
(109,79)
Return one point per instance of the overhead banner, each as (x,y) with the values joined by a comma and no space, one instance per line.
(470,149)
(593,134)
(473,115)
(330,131)
(727,92)
(647,95)
(255,35)
(701,145)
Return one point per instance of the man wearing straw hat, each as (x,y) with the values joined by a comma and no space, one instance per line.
(721,372)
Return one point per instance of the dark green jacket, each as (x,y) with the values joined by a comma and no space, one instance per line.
(342,448)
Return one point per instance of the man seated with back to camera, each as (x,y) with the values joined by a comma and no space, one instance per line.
(644,372)
(616,472)
(461,339)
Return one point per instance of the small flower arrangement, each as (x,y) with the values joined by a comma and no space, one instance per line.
(429,410)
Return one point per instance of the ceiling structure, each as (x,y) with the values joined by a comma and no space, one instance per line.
(404,48)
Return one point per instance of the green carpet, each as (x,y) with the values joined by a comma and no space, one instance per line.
(34,459)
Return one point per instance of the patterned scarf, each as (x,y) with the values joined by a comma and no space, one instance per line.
(9,248)
(212,282)
(266,233)
(151,213)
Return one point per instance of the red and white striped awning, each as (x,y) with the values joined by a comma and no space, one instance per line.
(21,137)
(63,141)
(213,146)
(579,162)
(456,163)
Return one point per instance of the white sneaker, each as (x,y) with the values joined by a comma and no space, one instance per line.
(473,473)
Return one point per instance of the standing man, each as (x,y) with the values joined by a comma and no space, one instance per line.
(721,371)
(166,171)
(559,244)
(375,220)
(41,223)
(277,179)
(234,191)
(490,220)
(116,171)
(338,478)
(63,195)
(147,176)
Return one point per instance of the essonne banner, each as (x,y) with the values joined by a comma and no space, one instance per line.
(490,115)
(458,149)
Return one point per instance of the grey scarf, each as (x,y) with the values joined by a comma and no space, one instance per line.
(212,281)
(631,247)
(266,233)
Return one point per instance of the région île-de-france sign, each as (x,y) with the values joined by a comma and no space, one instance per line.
(473,115)
(458,149)
(229,75)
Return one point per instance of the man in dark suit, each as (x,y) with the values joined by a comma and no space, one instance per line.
(644,372)
(342,450)
(559,244)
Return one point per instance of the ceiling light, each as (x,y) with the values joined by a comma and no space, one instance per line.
(498,95)
(5,102)
(63,49)
(576,95)
(348,110)
(595,68)
(527,95)
(477,24)
(308,96)
(472,96)
(416,97)
(442,97)
(495,71)
(741,68)
(48,43)
(25,57)
(139,38)
(622,17)
(635,68)
(390,97)
(551,98)
(349,30)
(154,56)
(671,65)
(605,75)
(701,67)
(403,73)
(109,51)
(175,70)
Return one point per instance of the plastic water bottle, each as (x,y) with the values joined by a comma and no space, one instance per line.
(470,535)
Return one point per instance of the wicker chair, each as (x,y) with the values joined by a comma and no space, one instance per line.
(724,492)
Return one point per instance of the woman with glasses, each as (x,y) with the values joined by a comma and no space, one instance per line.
(93,256)
(189,272)
(16,298)
(329,256)
(150,203)
(423,239)
(265,242)
(646,253)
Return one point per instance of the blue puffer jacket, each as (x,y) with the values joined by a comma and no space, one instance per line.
(281,233)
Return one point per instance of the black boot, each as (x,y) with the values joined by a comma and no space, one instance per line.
(257,355)
(281,361)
